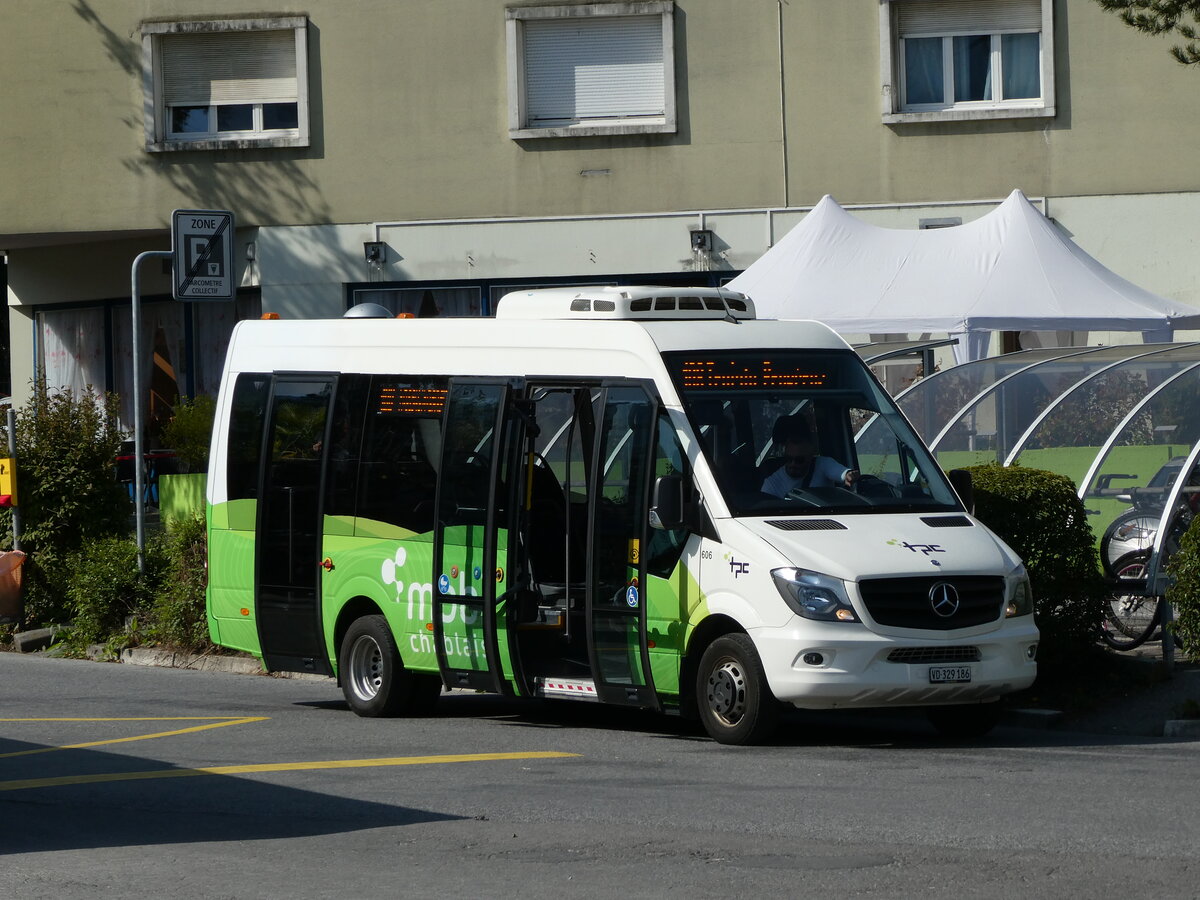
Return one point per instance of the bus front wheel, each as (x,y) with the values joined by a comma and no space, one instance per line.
(374,680)
(735,703)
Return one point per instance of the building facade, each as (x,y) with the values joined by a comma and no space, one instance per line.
(432,156)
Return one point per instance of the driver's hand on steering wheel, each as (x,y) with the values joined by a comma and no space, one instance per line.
(850,477)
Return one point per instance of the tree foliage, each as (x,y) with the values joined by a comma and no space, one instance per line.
(189,431)
(1181,17)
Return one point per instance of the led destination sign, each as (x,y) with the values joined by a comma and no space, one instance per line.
(403,400)
(751,373)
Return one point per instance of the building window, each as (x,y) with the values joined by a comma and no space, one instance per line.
(967,59)
(599,68)
(423,303)
(225,83)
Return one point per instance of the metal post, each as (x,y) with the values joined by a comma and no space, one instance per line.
(12,453)
(1168,638)
(139,475)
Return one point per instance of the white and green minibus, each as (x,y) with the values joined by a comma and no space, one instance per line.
(580,498)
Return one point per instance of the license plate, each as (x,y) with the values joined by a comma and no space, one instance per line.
(949,674)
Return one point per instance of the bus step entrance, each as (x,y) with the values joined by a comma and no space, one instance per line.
(567,688)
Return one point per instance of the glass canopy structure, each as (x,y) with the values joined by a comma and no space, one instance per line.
(1122,422)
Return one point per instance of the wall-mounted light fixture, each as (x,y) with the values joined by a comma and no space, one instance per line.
(702,240)
(374,252)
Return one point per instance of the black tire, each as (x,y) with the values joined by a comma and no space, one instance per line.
(735,702)
(972,720)
(374,680)
(1129,618)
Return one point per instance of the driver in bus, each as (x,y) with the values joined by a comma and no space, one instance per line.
(802,467)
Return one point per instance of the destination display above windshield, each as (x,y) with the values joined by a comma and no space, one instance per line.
(750,373)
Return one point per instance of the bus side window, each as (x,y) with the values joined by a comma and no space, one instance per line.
(345,444)
(246,420)
(669,459)
(397,480)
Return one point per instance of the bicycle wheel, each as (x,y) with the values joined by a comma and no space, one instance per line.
(1129,617)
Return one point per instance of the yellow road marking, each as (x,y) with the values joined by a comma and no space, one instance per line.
(223,721)
(276,767)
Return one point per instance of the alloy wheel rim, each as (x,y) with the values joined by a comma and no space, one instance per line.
(366,668)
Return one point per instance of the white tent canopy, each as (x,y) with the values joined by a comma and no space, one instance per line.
(1010,270)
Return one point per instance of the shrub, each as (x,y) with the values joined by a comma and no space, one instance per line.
(1039,516)
(67,449)
(189,433)
(1184,592)
(178,615)
(105,587)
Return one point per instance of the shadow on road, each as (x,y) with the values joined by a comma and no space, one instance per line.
(882,728)
(142,801)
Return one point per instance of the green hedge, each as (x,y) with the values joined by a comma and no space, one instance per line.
(178,616)
(1038,514)
(67,486)
(1184,592)
(105,589)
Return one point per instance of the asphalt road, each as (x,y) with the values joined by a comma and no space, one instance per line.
(138,782)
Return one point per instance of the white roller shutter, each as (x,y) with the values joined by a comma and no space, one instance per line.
(917,18)
(603,68)
(229,67)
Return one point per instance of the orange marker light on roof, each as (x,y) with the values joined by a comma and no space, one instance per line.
(405,316)
(270,316)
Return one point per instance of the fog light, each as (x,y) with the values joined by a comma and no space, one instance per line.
(1031,651)
(813,659)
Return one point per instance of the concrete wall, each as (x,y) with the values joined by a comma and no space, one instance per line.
(409,116)
(410,146)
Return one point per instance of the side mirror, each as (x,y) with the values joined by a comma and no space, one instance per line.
(666,512)
(960,480)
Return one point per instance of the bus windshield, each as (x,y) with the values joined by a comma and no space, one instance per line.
(805,432)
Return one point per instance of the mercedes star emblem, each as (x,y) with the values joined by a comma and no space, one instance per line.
(943,597)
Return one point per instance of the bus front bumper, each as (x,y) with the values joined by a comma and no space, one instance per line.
(834,666)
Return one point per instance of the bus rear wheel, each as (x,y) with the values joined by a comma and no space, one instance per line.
(374,680)
(735,702)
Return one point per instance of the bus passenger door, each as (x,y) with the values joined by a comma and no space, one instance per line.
(471,534)
(287,554)
(620,497)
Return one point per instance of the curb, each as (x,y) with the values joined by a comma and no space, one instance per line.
(233,665)
(1182,728)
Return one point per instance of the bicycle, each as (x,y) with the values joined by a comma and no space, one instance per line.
(1130,617)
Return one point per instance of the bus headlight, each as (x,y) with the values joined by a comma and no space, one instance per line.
(814,596)
(1020,594)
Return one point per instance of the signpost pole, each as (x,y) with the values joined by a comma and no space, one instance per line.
(202,269)
(139,466)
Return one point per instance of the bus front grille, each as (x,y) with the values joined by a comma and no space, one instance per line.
(925,655)
(941,604)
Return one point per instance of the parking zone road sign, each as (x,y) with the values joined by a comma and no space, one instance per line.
(202,241)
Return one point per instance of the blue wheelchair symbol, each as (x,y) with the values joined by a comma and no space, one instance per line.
(631,596)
